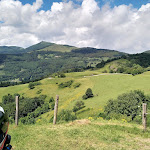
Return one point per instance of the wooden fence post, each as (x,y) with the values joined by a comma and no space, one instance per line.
(56,109)
(144,116)
(17,110)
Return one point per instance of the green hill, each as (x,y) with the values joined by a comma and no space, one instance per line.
(104,87)
(87,133)
(39,63)
(58,48)
(38,46)
(11,50)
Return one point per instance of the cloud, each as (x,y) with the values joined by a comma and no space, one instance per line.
(122,28)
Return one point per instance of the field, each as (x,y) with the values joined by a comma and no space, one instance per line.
(80,135)
(104,87)
(85,133)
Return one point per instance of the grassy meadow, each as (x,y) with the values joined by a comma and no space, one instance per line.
(86,133)
(80,135)
(104,87)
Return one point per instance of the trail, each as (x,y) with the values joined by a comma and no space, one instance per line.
(102,74)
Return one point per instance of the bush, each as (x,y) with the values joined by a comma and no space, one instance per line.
(39,91)
(78,105)
(88,94)
(26,105)
(33,84)
(101,65)
(76,85)
(8,99)
(65,84)
(27,120)
(61,75)
(127,104)
(84,97)
(105,71)
(66,115)
(51,100)
(52,105)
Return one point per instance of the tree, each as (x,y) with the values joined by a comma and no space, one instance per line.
(88,94)
(8,99)
(61,75)
(127,104)
(101,65)
(31,85)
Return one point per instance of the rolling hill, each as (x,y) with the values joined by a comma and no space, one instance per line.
(47,46)
(82,134)
(104,86)
(11,50)
(42,59)
(91,131)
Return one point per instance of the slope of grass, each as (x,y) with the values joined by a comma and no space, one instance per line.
(104,87)
(60,48)
(38,46)
(80,135)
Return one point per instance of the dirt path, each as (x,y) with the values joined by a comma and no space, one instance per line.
(103,74)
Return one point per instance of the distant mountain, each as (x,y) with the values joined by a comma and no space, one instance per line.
(57,47)
(38,46)
(89,51)
(47,46)
(148,51)
(11,50)
(42,46)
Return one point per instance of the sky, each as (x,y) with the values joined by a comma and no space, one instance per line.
(122,25)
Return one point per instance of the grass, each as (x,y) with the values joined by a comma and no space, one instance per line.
(104,87)
(60,48)
(80,135)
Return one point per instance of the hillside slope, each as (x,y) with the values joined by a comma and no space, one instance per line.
(104,87)
(80,135)
(11,50)
(44,58)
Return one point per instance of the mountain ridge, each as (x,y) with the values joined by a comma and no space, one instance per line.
(46,46)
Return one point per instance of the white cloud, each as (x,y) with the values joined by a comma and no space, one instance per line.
(57,7)
(121,28)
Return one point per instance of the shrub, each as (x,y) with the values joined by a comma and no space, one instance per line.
(101,65)
(76,85)
(88,94)
(126,104)
(111,71)
(52,105)
(27,120)
(66,84)
(26,105)
(51,100)
(66,115)
(33,84)
(105,71)
(78,105)
(61,75)
(39,91)
(84,97)
(8,99)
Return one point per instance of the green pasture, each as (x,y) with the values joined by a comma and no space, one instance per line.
(104,86)
(80,135)
(60,48)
